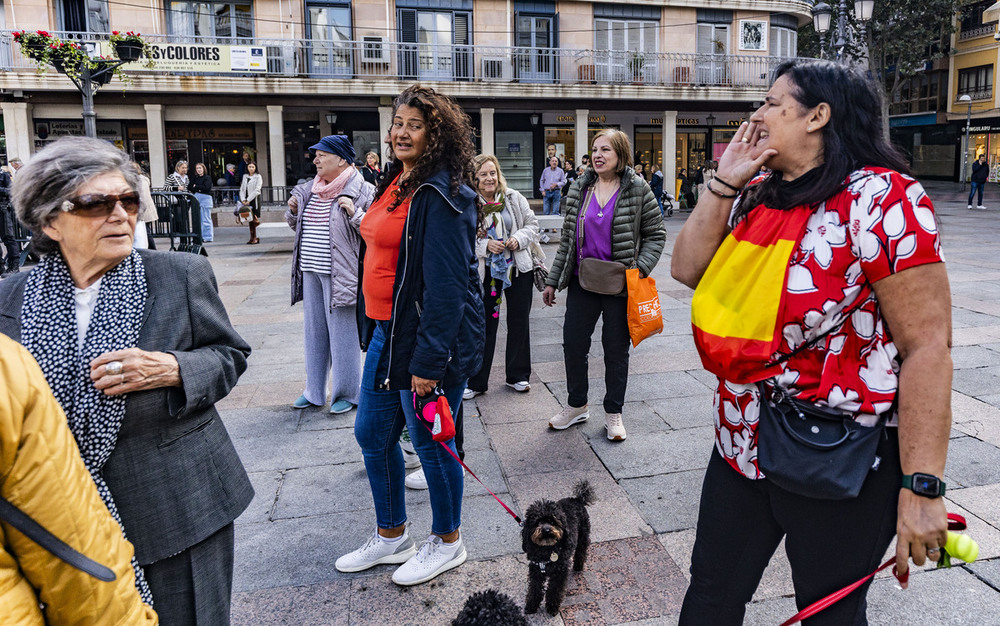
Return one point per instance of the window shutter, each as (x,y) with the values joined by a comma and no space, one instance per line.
(462,34)
(705,32)
(600,35)
(634,37)
(618,35)
(407,26)
(555,31)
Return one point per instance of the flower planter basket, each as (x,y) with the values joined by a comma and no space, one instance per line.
(35,50)
(127,51)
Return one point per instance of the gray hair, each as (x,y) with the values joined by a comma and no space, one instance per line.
(177,165)
(53,176)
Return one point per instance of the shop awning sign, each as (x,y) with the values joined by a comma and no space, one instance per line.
(192,57)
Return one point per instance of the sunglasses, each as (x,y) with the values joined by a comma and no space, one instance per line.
(99,205)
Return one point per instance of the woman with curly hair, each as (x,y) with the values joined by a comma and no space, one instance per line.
(420,290)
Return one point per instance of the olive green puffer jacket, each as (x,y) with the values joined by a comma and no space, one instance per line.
(634,195)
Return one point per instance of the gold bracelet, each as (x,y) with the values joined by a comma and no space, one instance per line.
(708,185)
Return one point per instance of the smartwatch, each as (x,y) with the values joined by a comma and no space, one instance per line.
(926,485)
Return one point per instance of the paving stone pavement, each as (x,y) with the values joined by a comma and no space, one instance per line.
(312,502)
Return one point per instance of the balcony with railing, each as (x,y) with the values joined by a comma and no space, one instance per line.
(387,60)
(976,93)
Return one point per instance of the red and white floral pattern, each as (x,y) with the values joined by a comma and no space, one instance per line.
(882,223)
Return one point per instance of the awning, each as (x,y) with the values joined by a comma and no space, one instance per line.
(992,14)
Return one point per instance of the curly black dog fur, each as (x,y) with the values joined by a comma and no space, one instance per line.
(553,534)
(490,608)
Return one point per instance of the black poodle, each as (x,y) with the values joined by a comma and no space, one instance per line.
(490,608)
(554,533)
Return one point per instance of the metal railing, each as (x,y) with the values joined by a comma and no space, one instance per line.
(979,31)
(979,93)
(490,64)
(223,197)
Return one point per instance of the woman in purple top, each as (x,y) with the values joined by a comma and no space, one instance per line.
(602,209)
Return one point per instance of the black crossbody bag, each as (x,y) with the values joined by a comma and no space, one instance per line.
(811,450)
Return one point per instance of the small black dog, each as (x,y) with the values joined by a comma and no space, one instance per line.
(490,608)
(554,533)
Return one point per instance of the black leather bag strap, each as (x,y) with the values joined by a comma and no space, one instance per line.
(37,533)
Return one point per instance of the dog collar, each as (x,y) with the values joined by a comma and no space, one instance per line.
(541,564)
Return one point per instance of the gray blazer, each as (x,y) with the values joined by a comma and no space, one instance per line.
(174,473)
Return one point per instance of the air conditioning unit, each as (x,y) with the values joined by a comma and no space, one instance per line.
(374,51)
(495,69)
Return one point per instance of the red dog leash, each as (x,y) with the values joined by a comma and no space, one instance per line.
(955,522)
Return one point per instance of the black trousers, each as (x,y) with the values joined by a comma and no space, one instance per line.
(830,543)
(583,309)
(518,297)
(7,236)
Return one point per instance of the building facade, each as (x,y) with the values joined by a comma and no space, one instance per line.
(270,77)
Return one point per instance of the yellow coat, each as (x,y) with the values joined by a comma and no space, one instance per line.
(41,473)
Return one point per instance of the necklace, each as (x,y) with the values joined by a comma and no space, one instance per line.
(607,196)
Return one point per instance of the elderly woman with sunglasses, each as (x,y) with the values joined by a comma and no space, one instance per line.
(137,347)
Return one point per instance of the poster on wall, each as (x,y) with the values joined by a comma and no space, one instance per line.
(753,35)
(189,57)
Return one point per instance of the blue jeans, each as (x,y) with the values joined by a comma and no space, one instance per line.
(974,188)
(205,201)
(380,420)
(550,205)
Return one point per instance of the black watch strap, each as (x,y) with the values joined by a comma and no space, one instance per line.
(926,485)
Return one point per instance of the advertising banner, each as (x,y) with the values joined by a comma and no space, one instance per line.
(191,57)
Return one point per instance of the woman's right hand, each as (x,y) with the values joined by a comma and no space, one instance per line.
(494,246)
(293,205)
(742,160)
(549,295)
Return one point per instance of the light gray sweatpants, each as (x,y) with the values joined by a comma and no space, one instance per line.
(332,346)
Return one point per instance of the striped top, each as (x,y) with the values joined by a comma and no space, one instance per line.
(315,246)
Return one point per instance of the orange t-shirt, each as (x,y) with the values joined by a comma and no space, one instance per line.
(382,232)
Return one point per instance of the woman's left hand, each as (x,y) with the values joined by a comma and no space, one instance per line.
(140,370)
(512,244)
(347,204)
(494,246)
(423,386)
(922,524)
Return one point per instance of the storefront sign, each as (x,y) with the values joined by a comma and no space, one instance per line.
(513,147)
(238,134)
(593,119)
(51,129)
(189,57)
(688,121)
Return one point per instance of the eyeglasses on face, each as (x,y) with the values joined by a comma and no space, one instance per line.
(100,205)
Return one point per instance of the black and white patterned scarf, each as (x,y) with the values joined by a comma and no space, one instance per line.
(49,332)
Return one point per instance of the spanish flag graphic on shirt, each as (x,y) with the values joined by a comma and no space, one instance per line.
(736,306)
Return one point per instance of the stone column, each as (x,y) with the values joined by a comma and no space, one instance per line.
(20,130)
(488,135)
(384,124)
(581,140)
(260,134)
(156,134)
(276,141)
(669,144)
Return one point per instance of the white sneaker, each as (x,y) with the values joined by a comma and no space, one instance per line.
(377,551)
(969,207)
(521,385)
(568,416)
(615,427)
(410,458)
(470,394)
(434,557)
(981,207)
(416,480)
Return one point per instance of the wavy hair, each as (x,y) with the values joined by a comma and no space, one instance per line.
(852,138)
(477,164)
(449,143)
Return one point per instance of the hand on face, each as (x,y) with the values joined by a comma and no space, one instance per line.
(743,158)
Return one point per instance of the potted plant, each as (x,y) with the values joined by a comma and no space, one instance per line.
(34,45)
(636,63)
(130,46)
(69,58)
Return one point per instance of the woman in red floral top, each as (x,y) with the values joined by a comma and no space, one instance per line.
(837,222)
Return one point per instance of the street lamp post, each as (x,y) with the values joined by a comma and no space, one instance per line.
(823,18)
(966,98)
(710,149)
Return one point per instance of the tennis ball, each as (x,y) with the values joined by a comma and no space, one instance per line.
(962,546)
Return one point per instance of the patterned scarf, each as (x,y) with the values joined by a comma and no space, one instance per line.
(330,190)
(49,332)
(500,262)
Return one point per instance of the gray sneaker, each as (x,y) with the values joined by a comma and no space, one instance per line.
(433,558)
(568,416)
(615,427)
(374,552)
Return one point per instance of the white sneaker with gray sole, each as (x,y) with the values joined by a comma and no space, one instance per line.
(432,559)
(377,551)
(568,416)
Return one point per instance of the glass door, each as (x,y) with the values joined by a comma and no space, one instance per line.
(330,36)
(514,154)
(434,33)
(534,62)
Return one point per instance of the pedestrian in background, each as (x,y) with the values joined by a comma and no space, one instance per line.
(656,184)
(178,179)
(881,300)
(421,288)
(138,381)
(201,187)
(250,189)
(325,272)
(552,181)
(12,262)
(603,204)
(707,174)
(147,210)
(371,170)
(980,173)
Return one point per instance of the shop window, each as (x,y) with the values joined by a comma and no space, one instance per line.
(211,20)
(442,44)
(83,16)
(330,39)
(977,82)
(625,50)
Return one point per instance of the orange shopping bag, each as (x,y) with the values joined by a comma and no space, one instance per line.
(644,317)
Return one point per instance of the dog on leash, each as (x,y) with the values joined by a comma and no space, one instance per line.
(490,608)
(555,533)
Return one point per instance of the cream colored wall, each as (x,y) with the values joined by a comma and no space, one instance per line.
(137,17)
(370,19)
(576,20)
(734,46)
(492,21)
(28,15)
(678,32)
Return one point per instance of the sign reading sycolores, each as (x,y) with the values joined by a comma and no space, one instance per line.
(194,57)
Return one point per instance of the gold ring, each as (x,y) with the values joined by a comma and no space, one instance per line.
(745,140)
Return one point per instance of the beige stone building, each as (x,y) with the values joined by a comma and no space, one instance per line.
(272,76)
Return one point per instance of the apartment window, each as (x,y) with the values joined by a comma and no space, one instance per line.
(443,39)
(625,49)
(214,20)
(712,43)
(784,35)
(977,82)
(83,16)
(535,36)
(920,94)
(330,34)
(972,20)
